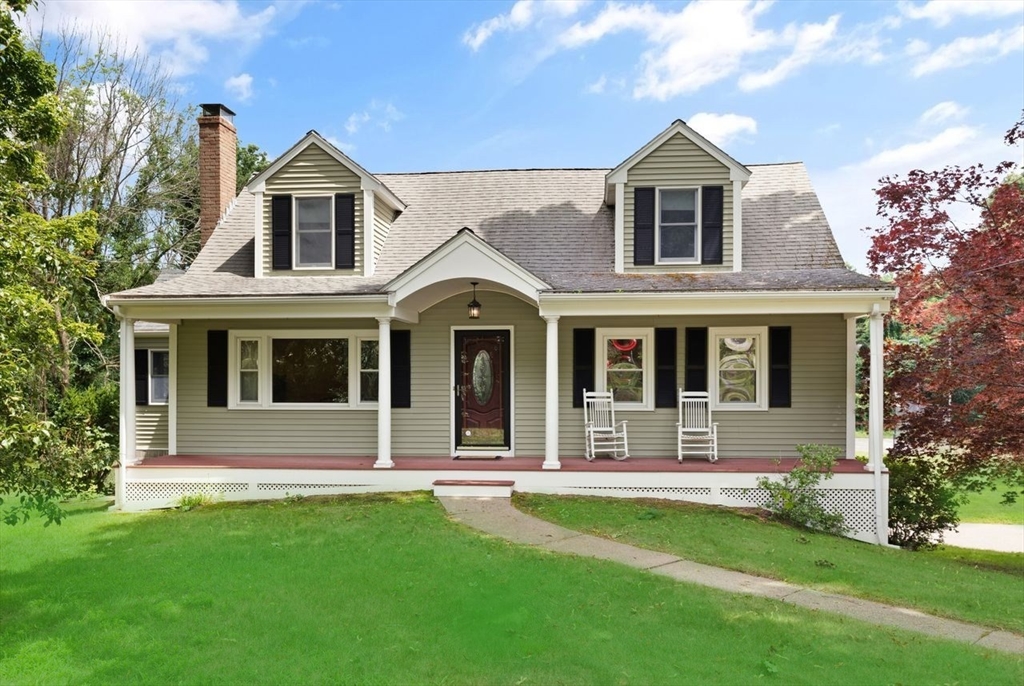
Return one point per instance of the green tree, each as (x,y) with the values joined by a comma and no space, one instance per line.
(42,263)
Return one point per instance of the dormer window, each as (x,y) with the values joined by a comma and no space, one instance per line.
(314,233)
(678,218)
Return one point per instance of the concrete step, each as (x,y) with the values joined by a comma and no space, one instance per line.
(466,488)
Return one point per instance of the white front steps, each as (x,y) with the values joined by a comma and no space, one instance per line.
(459,488)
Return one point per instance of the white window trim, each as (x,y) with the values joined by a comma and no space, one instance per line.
(265,338)
(759,332)
(601,364)
(149,375)
(295,233)
(657,225)
(359,369)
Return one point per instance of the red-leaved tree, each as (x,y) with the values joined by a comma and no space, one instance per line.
(956,367)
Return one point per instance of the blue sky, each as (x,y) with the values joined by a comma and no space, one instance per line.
(855,90)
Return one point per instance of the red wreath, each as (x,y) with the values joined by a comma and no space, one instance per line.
(624,345)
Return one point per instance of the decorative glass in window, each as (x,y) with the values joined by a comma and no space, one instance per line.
(310,370)
(737,369)
(483,377)
(159,373)
(678,224)
(249,371)
(624,373)
(313,232)
(369,371)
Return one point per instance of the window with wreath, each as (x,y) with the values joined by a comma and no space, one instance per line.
(739,379)
(624,356)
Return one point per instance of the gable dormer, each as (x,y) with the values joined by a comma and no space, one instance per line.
(320,213)
(678,206)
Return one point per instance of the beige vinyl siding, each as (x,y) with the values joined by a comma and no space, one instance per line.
(151,420)
(220,431)
(817,415)
(425,428)
(312,172)
(678,162)
(383,216)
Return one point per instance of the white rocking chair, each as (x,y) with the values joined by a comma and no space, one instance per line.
(698,435)
(603,434)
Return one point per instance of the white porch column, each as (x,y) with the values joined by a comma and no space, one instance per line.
(172,391)
(851,387)
(551,397)
(384,460)
(127,408)
(875,425)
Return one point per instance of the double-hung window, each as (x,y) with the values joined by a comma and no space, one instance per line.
(314,232)
(303,369)
(678,214)
(159,373)
(624,363)
(739,378)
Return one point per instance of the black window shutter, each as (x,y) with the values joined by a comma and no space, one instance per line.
(141,377)
(281,231)
(712,201)
(643,226)
(401,369)
(582,363)
(780,359)
(217,368)
(665,368)
(696,359)
(344,231)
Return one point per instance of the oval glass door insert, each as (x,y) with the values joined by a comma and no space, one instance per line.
(483,377)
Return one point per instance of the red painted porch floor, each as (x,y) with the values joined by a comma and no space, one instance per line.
(521,464)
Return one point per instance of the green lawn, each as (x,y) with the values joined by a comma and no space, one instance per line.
(987,507)
(964,589)
(388,590)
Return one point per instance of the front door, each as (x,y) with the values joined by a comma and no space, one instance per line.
(482,390)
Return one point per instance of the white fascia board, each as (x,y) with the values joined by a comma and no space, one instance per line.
(259,182)
(738,302)
(361,306)
(465,256)
(737,172)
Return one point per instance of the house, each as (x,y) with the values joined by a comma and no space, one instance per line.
(346,331)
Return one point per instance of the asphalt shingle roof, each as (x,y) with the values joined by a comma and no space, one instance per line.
(554,223)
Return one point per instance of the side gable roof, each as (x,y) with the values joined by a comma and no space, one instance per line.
(369,181)
(737,172)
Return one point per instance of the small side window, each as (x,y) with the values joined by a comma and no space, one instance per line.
(678,237)
(159,373)
(314,233)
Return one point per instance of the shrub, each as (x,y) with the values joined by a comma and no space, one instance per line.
(795,499)
(192,501)
(922,503)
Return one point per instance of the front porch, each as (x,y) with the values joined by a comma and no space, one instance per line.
(159,482)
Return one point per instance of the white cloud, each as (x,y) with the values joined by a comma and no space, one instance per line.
(341,145)
(178,32)
(706,42)
(970,50)
(380,114)
(847,193)
(597,87)
(522,15)
(240,86)
(722,129)
(807,47)
(916,46)
(942,12)
(943,112)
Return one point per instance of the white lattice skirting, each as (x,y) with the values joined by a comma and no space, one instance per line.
(155,488)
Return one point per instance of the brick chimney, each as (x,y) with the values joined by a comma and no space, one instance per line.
(218,145)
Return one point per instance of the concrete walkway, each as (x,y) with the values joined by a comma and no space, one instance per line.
(497,517)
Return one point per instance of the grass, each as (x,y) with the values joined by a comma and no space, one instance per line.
(986,507)
(967,588)
(375,590)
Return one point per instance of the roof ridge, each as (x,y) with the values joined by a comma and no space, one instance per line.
(488,171)
(776,164)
